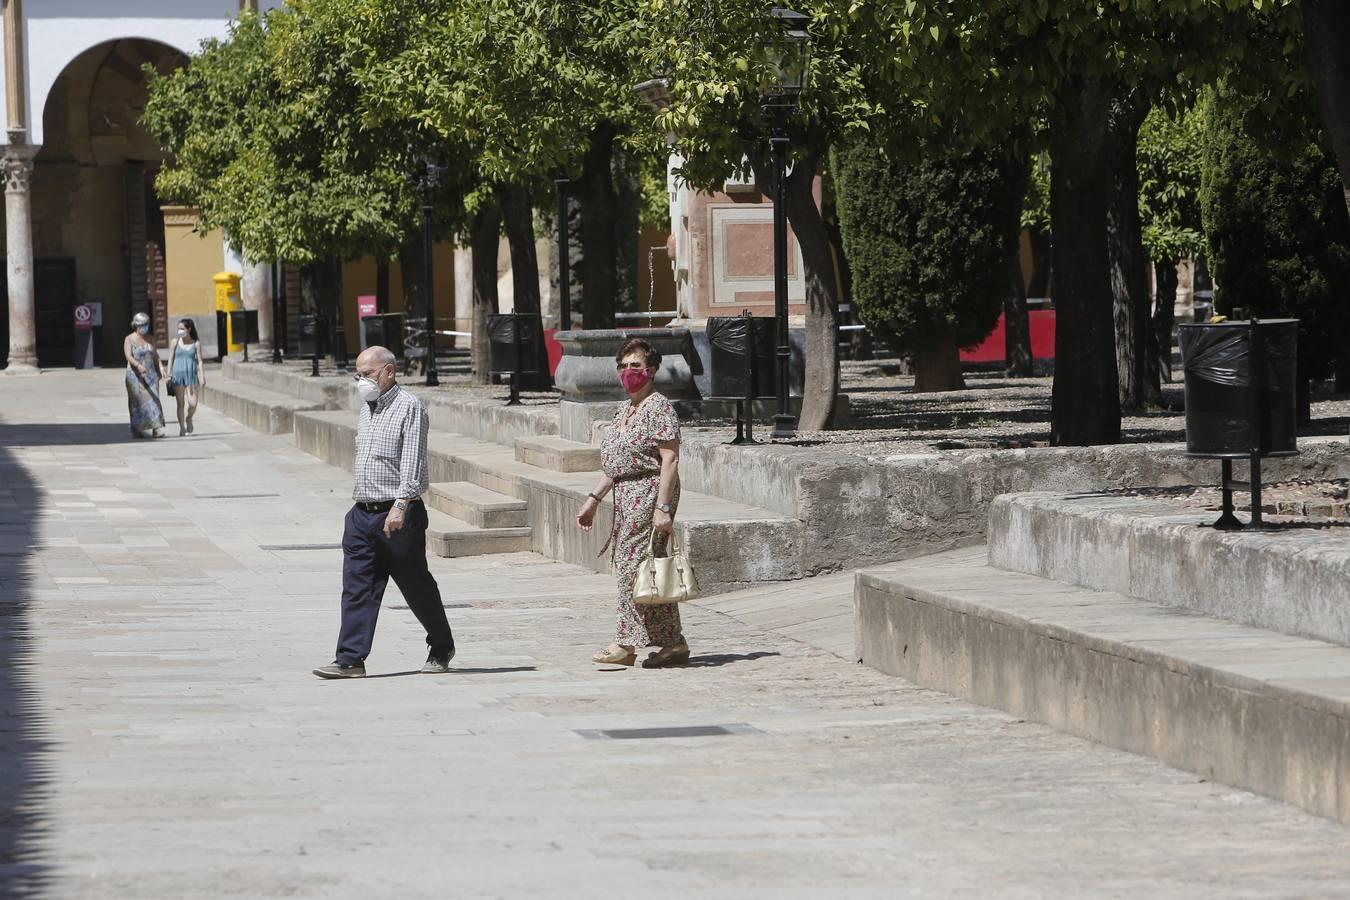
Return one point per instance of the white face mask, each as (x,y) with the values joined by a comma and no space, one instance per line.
(369,390)
(182,332)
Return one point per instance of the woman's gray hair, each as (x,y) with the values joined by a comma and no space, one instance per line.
(139,319)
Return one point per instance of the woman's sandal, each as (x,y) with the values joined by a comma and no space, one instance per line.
(674,655)
(615,655)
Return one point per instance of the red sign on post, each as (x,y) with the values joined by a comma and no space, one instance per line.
(84,318)
(366,305)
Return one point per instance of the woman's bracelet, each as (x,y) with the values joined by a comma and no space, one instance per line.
(593,497)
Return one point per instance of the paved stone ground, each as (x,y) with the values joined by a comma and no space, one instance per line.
(162,736)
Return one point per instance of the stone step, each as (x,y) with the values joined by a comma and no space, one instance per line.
(1249,707)
(478,506)
(733,545)
(324,392)
(450,537)
(558,454)
(258,408)
(1292,579)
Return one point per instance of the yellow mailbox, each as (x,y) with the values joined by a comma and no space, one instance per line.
(227,301)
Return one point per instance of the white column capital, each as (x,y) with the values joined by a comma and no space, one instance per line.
(18,162)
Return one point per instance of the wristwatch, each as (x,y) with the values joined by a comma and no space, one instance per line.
(401,505)
(664,507)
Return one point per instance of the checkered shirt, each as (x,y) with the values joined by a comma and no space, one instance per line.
(391,448)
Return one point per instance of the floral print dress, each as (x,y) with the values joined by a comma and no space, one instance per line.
(630,456)
(147,415)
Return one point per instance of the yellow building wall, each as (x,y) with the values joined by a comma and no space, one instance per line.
(191,261)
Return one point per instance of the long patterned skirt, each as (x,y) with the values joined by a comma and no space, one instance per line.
(143,402)
(634,504)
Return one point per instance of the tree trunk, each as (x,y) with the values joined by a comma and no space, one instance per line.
(627,230)
(1164,312)
(1326,34)
(1085,408)
(518,219)
(937,365)
(382,286)
(574,256)
(822,298)
(1136,365)
(1017,354)
(414,293)
(321,294)
(599,207)
(484,233)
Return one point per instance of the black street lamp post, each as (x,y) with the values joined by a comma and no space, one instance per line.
(278,309)
(789,55)
(427,184)
(561,181)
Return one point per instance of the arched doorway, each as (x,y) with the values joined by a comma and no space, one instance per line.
(98,234)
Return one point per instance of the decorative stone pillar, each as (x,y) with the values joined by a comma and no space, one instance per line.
(463,295)
(19,258)
(255,290)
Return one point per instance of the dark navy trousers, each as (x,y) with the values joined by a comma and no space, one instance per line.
(369,560)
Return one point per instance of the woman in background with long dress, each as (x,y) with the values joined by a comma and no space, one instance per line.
(144,368)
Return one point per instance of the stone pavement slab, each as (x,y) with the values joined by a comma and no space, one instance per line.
(161,737)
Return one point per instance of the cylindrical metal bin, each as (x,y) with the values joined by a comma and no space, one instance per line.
(741,348)
(1220,407)
(513,339)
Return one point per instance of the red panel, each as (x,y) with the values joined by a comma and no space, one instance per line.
(993,348)
(554,350)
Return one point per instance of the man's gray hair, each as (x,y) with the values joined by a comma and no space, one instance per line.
(384,357)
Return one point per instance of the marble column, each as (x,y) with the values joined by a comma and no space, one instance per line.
(463,294)
(19,260)
(255,288)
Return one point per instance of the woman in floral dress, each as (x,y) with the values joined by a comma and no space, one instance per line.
(640,462)
(144,368)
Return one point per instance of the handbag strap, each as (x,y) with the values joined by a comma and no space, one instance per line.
(672,550)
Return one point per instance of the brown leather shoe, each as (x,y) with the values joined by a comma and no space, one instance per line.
(674,655)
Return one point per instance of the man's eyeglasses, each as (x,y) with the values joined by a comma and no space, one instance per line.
(632,365)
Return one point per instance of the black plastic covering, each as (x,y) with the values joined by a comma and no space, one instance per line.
(384,330)
(513,340)
(311,335)
(1217,364)
(737,343)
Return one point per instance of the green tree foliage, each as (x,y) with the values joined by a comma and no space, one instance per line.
(268,141)
(1277,230)
(927,244)
(1171,153)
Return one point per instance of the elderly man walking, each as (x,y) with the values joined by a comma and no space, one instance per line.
(386,531)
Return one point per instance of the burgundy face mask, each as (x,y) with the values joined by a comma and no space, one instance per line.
(635,380)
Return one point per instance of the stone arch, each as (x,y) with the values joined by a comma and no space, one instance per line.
(97,229)
(59,32)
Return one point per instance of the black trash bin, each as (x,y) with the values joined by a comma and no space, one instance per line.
(1241,399)
(383,330)
(741,357)
(514,341)
(1217,364)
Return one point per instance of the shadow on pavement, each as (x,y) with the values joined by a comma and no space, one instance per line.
(25,745)
(500,670)
(709,660)
(70,435)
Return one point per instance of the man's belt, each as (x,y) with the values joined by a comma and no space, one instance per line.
(382,505)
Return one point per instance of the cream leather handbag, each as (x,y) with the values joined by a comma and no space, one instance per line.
(666,580)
